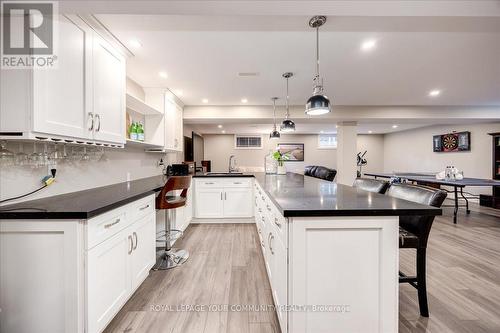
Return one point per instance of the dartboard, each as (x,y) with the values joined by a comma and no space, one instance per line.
(450,142)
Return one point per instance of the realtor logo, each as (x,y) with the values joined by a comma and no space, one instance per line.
(28,34)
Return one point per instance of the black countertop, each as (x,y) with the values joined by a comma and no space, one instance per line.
(293,194)
(84,204)
(299,195)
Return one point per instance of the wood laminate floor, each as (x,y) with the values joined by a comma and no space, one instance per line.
(226,267)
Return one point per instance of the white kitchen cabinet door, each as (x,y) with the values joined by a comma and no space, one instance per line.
(173,125)
(209,203)
(143,254)
(238,202)
(108,280)
(61,104)
(280,280)
(108,77)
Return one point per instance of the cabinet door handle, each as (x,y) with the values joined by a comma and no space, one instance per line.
(237,183)
(269,240)
(277,223)
(142,208)
(91,119)
(109,225)
(98,126)
(209,183)
(221,196)
(225,195)
(136,240)
(131,245)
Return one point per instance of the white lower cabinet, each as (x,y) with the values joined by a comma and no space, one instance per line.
(223,198)
(108,280)
(118,265)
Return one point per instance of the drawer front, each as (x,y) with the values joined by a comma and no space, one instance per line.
(140,208)
(209,183)
(238,182)
(105,226)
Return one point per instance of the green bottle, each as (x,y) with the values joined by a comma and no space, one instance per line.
(140,132)
(133,131)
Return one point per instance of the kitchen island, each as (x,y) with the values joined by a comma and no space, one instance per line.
(331,251)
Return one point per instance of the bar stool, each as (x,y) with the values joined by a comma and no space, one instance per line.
(166,200)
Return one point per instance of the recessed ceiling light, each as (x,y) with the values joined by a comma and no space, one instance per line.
(394,126)
(434,93)
(368,45)
(163,75)
(178,92)
(244,100)
(223,132)
(204,100)
(219,126)
(370,132)
(336,126)
(135,43)
(322,132)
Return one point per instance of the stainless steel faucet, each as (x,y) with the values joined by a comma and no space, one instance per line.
(232,163)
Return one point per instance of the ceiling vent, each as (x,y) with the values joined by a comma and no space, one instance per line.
(248,74)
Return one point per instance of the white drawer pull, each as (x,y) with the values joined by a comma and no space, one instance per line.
(209,183)
(237,183)
(109,225)
(142,208)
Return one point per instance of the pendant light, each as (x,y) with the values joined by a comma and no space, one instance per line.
(318,103)
(287,125)
(274,134)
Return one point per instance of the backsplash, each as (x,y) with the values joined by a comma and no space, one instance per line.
(76,174)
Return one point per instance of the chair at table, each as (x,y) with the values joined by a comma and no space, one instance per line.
(320,172)
(414,233)
(167,200)
(371,185)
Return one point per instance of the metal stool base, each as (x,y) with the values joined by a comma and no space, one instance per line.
(170,259)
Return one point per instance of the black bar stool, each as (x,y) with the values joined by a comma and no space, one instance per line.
(414,233)
(371,185)
(166,200)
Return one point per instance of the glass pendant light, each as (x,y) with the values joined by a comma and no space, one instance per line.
(274,134)
(318,103)
(287,125)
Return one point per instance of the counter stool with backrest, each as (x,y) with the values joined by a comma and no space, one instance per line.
(414,233)
(167,200)
(320,172)
(371,185)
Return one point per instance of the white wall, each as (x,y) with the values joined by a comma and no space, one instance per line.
(218,148)
(76,176)
(412,151)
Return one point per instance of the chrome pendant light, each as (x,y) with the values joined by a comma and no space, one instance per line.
(318,103)
(287,125)
(274,134)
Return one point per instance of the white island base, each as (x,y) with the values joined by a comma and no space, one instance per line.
(345,269)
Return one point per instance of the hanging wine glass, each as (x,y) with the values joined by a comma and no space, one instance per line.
(6,156)
(34,157)
(85,156)
(21,157)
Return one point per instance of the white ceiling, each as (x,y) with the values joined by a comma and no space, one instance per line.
(202,55)
(302,128)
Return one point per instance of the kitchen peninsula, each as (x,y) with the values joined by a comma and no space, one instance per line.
(331,252)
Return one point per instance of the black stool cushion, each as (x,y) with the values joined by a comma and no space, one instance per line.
(320,172)
(371,185)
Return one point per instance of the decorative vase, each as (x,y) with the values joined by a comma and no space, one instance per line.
(270,163)
(281,170)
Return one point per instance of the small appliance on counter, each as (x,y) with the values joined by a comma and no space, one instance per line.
(190,167)
(177,170)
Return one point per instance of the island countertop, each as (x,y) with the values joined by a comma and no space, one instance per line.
(293,194)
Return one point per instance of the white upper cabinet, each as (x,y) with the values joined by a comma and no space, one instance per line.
(108,77)
(173,125)
(59,95)
(81,99)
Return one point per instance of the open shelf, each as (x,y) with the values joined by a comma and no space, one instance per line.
(139,106)
(142,144)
